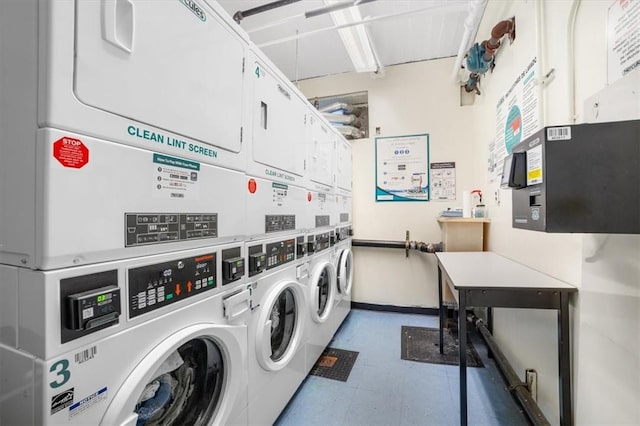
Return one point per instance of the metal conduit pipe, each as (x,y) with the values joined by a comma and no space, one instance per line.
(334,7)
(241,14)
(515,384)
(405,245)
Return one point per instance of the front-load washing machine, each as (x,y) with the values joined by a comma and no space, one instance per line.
(145,341)
(276,355)
(343,261)
(104,165)
(321,289)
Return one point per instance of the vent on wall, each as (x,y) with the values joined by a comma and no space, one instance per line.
(349,113)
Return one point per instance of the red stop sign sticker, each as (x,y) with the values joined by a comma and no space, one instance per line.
(71,152)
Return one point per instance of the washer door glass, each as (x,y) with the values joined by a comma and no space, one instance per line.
(345,271)
(323,283)
(186,389)
(283,323)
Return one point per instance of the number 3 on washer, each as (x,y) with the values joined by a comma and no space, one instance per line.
(61,368)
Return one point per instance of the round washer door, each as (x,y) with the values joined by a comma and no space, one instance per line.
(192,377)
(345,271)
(280,325)
(322,287)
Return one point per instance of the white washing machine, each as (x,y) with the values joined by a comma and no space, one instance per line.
(113,153)
(343,261)
(153,340)
(321,291)
(343,218)
(276,357)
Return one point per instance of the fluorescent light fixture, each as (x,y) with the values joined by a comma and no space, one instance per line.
(354,38)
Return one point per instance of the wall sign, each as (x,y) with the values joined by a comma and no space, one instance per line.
(402,168)
(443,181)
(517,117)
(623,38)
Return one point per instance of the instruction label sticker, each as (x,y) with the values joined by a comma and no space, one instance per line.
(279,193)
(88,402)
(534,165)
(175,178)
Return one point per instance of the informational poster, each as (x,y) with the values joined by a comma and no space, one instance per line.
(402,168)
(517,117)
(623,38)
(443,181)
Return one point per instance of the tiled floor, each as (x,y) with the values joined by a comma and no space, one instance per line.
(383,389)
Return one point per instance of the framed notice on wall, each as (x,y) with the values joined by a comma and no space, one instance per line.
(402,172)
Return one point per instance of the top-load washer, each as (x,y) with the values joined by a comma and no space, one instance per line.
(112,152)
(151,340)
(276,165)
(277,271)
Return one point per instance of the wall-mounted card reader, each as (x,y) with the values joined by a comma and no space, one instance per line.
(580,178)
(93,308)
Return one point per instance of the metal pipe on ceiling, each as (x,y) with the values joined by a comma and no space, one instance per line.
(335,7)
(364,21)
(311,14)
(241,14)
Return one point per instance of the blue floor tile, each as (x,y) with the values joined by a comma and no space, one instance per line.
(383,389)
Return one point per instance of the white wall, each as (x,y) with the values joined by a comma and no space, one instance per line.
(606,330)
(606,269)
(410,99)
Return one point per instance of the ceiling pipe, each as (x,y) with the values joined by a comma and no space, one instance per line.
(367,20)
(335,7)
(241,14)
(310,14)
(471,23)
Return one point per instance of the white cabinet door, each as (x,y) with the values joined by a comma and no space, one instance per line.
(170,64)
(321,151)
(278,122)
(344,167)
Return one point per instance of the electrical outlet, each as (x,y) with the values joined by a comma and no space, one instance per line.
(532,382)
(496,197)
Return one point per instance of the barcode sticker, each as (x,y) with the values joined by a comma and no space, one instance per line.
(86,355)
(559,133)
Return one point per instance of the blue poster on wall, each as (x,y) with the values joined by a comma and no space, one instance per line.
(402,168)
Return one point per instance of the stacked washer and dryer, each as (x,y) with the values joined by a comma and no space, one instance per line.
(321,142)
(343,256)
(121,254)
(153,231)
(276,225)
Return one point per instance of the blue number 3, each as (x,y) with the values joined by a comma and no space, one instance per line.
(63,373)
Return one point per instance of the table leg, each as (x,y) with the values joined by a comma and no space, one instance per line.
(564,358)
(462,345)
(441,308)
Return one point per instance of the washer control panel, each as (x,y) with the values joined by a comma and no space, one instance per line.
(319,242)
(281,252)
(154,286)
